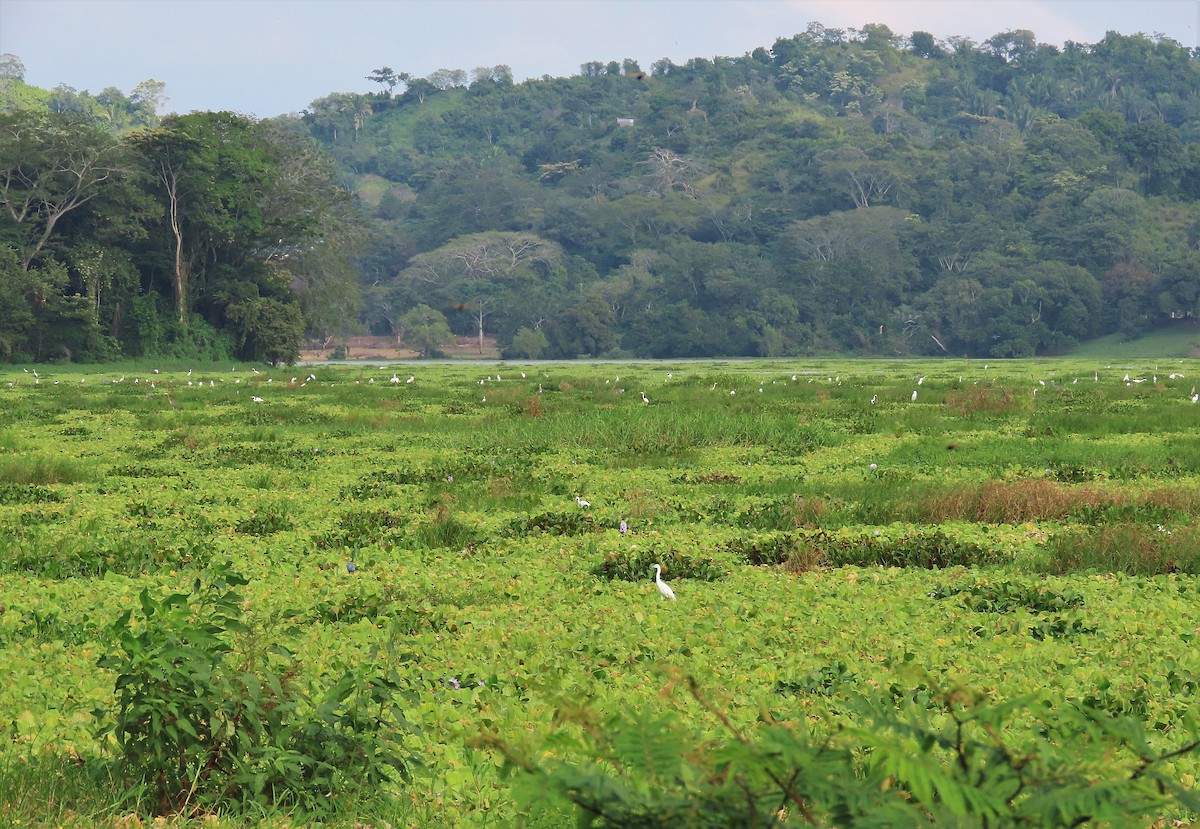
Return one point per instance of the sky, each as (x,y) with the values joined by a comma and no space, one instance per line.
(263,58)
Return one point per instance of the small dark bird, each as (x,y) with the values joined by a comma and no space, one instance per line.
(350,567)
(641,76)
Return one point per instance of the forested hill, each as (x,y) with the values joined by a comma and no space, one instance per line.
(838,191)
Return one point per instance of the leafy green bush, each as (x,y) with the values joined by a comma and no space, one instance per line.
(203,722)
(825,681)
(1002,595)
(770,548)
(635,562)
(1054,618)
(930,549)
(361,528)
(267,519)
(27,494)
(572,523)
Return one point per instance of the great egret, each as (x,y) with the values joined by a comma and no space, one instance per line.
(914,396)
(582,502)
(663,587)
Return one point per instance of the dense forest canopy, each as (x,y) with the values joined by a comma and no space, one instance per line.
(840,191)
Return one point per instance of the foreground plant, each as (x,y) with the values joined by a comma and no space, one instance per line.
(203,725)
(912,759)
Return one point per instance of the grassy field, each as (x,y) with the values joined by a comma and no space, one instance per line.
(831,530)
(1179,340)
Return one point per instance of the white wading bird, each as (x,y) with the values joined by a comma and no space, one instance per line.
(663,587)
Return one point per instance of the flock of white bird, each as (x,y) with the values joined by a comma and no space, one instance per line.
(663,588)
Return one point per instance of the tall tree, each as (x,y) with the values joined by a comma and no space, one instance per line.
(50,165)
(171,156)
(476,271)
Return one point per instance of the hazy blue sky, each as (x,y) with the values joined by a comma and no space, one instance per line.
(267,57)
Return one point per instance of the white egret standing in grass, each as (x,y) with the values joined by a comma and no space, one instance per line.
(663,587)
(914,396)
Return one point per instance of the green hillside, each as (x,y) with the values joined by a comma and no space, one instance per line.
(838,191)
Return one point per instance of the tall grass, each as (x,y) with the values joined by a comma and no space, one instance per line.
(43,470)
(923,501)
(1134,549)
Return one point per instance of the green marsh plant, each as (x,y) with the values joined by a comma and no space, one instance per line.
(207,719)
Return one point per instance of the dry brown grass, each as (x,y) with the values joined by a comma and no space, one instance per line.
(807,512)
(804,557)
(1175,499)
(1013,502)
(717,478)
(1016,502)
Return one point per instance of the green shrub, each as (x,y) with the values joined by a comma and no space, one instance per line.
(27,494)
(1004,595)
(576,522)
(267,519)
(203,722)
(933,549)
(361,528)
(635,562)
